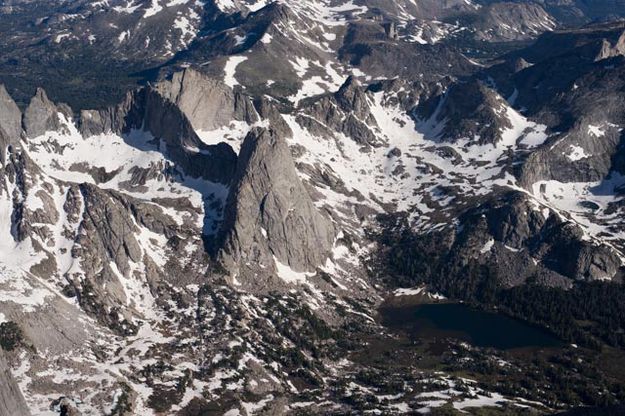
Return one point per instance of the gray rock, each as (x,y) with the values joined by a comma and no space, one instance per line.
(208,103)
(347,111)
(468,110)
(10,121)
(269,212)
(557,246)
(553,162)
(268,111)
(42,115)
(146,109)
(112,119)
(23,177)
(611,49)
(351,97)
(5,142)
(508,21)
(106,239)
(12,402)
(363,48)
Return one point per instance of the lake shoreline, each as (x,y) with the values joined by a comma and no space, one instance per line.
(477,326)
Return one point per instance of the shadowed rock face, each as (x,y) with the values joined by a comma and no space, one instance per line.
(388,58)
(510,221)
(471,111)
(591,43)
(574,86)
(146,109)
(576,12)
(518,244)
(10,121)
(553,163)
(11,400)
(5,141)
(269,212)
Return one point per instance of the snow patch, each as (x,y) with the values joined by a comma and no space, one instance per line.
(487,246)
(230,70)
(577,153)
(289,275)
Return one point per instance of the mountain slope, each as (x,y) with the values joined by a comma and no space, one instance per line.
(221,239)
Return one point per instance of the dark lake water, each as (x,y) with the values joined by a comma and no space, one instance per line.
(482,329)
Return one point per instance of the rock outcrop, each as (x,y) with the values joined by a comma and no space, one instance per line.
(107,245)
(10,121)
(11,400)
(508,230)
(270,214)
(470,111)
(586,153)
(207,102)
(611,49)
(590,43)
(367,46)
(509,21)
(347,111)
(43,115)
(146,109)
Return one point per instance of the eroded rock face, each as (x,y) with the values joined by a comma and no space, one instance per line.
(587,153)
(508,229)
(10,121)
(207,102)
(512,21)
(11,400)
(22,178)
(269,212)
(112,119)
(588,42)
(146,109)
(108,249)
(470,111)
(42,115)
(611,49)
(363,47)
(165,121)
(347,111)
(507,241)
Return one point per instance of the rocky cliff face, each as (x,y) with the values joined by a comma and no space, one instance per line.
(208,103)
(347,111)
(270,219)
(509,223)
(507,21)
(468,111)
(146,109)
(363,49)
(42,115)
(11,400)
(10,122)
